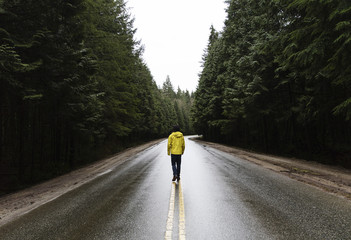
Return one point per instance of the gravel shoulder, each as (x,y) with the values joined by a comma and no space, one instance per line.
(330,179)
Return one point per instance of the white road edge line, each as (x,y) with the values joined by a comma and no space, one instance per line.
(103,173)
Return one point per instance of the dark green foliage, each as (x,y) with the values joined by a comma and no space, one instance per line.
(179,112)
(73,88)
(277,79)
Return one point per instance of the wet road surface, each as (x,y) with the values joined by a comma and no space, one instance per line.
(219,197)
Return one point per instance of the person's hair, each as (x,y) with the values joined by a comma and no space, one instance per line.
(176,128)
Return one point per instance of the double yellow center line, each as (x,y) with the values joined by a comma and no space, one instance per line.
(181,214)
(181,226)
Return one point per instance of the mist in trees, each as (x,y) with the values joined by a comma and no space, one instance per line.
(74,88)
(277,79)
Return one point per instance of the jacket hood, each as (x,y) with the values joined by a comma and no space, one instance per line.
(177,134)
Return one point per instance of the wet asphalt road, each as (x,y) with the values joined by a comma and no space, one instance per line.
(223,198)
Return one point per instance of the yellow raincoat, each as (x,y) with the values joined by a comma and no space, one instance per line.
(176,144)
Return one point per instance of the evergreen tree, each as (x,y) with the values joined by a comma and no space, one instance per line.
(74,87)
(168,89)
(208,96)
(277,78)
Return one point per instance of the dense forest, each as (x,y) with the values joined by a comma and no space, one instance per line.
(74,88)
(278,79)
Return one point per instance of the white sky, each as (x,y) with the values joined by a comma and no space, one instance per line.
(175,34)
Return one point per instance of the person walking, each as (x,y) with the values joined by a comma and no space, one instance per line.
(175,148)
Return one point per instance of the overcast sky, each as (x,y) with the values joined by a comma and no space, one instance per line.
(175,34)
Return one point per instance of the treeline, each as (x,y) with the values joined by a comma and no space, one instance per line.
(74,88)
(278,79)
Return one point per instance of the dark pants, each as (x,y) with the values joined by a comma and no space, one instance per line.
(176,162)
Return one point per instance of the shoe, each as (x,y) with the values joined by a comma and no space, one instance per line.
(178,178)
(174,178)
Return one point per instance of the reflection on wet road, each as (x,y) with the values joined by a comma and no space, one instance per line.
(176,190)
(219,197)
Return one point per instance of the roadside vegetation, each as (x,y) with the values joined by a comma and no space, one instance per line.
(277,79)
(74,88)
